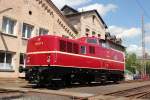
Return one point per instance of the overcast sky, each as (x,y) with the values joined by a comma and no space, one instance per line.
(123,17)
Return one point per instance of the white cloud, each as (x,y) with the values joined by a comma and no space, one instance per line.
(138,49)
(61,3)
(147,27)
(101,8)
(134,49)
(147,33)
(147,39)
(122,32)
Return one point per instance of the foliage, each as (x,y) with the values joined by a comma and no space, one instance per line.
(148,67)
(131,62)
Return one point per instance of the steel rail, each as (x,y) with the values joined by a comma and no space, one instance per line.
(140,92)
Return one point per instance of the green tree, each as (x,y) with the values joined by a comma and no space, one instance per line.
(148,67)
(131,62)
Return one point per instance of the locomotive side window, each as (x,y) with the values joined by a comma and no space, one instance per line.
(91,50)
(75,48)
(83,50)
(69,47)
(62,45)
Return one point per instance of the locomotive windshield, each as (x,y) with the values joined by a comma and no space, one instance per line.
(93,40)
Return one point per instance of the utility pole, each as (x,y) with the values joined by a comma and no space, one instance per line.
(143,47)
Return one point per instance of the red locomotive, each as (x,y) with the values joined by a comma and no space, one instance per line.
(53,59)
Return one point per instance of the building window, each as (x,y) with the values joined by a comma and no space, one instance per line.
(99,35)
(103,44)
(5,60)
(22,59)
(43,31)
(91,50)
(93,19)
(30,12)
(83,50)
(87,31)
(27,30)
(93,32)
(8,25)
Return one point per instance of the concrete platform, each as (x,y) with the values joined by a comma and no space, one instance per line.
(102,97)
(74,92)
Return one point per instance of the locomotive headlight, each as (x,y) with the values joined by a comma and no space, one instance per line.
(28,59)
(48,59)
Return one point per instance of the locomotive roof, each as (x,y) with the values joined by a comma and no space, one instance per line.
(82,39)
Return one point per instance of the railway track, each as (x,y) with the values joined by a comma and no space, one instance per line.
(137,92)
(142,92)
(132,81)
(10,94)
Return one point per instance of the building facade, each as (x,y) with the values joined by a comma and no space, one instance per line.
(87,23)
(21,20)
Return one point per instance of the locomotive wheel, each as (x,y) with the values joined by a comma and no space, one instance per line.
(103,79)
(66,80)
(115,81)
(57,84)
(54,85)
(90,79)
(40,85)
(82,82)
(82,79)
(67,83)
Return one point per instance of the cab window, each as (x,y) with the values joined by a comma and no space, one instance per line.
(75,48)
(91,50)
(83,50)
(62,45)
(69,47)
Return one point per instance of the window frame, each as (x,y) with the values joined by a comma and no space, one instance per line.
(93,33)
(75,48)
(91,49)
(7,62)
(87,30)
(63,47)
(85,49)
(5,25)
(25,33)
(69,47)
(43,30)
(22,58)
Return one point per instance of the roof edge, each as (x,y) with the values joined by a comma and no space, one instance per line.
(61,16)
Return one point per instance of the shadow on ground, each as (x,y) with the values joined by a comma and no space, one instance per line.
(75,85)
